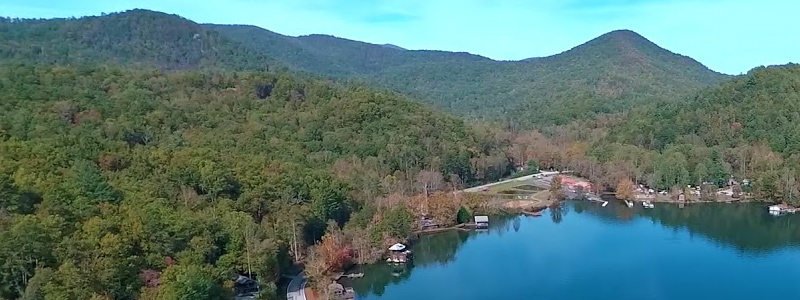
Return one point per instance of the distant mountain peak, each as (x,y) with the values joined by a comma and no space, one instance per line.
(391,46)
(627,48)
(624,33)
(624,38)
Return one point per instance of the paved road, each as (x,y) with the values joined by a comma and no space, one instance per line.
(296,288)
(523,178)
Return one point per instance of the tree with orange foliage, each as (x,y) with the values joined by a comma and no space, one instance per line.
(330,255)
(333,249)
(625,189)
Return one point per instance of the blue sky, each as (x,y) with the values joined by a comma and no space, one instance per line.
(730,36)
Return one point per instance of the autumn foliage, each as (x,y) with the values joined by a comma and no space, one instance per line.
(441,207)
(625,190)
(334,253)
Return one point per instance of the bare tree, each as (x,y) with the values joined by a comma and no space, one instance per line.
(429,182)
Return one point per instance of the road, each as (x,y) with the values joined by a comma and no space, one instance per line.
(523,178)
(296,288)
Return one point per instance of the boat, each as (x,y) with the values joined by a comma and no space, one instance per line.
(629,203)
(648,204)
(532,213)
(605,203)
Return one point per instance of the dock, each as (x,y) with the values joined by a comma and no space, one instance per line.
(532,213)
(782,209)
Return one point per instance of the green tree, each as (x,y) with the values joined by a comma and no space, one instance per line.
(463,216)
(190,282)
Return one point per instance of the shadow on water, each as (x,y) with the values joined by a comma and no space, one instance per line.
(745,227)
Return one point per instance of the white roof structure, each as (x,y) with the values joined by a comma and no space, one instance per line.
(397,247)
(481,219)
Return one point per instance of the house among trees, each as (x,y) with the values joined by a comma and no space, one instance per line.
(246,288)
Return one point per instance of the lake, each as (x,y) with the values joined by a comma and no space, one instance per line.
(584,251)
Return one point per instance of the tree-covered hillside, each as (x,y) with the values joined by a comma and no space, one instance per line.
(744,128)
(134,184)
(136,37)
(609,74)
(762,106)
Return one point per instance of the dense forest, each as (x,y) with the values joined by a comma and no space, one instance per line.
(609,74)
(606,75)
(138,37)
(122,183)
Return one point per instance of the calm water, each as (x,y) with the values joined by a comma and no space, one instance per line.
(584,251)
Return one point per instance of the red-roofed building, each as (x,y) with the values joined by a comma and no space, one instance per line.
(573,183)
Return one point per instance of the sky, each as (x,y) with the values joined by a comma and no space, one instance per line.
(729,36)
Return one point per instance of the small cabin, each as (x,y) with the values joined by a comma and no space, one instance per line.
(482,221)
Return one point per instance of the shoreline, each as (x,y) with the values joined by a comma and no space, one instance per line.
(693,201)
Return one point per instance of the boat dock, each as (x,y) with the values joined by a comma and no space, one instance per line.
(782,209)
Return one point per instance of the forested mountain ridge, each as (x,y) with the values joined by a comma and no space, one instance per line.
(333,56)
(606,75)
(143,184)
(136,37)
(609,74)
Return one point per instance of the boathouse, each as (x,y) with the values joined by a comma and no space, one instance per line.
(482,221)
(398,254)
(782,208)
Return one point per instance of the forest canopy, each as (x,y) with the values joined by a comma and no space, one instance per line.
(112,179)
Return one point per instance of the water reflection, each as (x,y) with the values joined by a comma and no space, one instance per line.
(557,212)
(745,227)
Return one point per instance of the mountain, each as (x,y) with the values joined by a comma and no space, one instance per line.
(333,56)
(136,37)
(609,74)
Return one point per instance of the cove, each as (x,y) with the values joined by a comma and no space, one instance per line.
(583,251)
